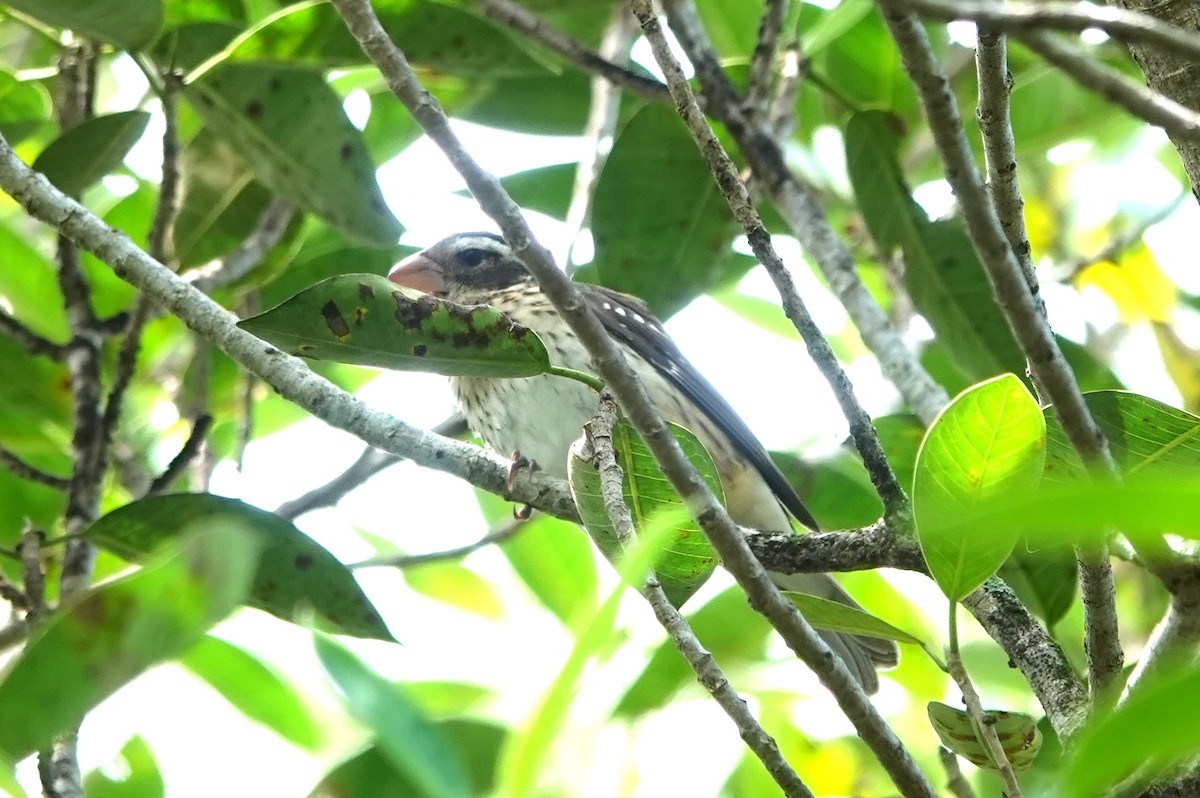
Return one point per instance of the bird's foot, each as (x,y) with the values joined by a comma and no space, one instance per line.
(521,512)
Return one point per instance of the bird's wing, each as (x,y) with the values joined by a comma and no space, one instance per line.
(628,320)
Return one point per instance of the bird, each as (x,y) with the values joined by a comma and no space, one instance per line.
(539,417)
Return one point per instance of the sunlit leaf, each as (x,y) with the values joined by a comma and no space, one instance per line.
(294,575)
(835,616)
(142,778)
(689,560)
(114,632)
(989,441)
(1135,284)
(367,320)
(456,585)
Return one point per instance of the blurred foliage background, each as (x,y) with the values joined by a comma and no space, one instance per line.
(275,102)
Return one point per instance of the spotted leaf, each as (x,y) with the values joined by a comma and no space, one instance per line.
(366,320)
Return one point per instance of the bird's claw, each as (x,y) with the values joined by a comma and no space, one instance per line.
(521,512)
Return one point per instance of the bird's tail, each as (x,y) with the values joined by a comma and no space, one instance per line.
(862,655)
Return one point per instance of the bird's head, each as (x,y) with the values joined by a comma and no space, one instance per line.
(461,267)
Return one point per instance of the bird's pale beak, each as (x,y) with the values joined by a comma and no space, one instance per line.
(419,272)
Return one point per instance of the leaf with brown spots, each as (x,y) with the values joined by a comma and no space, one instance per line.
(295,575)
(367,320)
(105,638)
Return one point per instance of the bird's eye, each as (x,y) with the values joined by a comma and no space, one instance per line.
(471,257)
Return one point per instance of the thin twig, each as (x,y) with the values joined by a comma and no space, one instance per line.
(368,464)
(1121,24)
(763,60)
(984,729)
(623,381)
(27,338)
(268,232)
(187,453)
(807,220)
(956,782)
(1012,294)
(402,561)
(1178,120)
(738,197)
(601,125)
(1000,149)
(520,19)
(598,450)
(781,121)
(18,467)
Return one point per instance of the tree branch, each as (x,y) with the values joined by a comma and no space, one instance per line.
(1029,326)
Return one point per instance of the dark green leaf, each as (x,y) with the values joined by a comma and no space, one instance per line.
(1043,580)
(372,773)
(90,150)
(120,22)
(367,320)
(434,36)
(688,560)
(416,748)
(141,776)
(294,573)
(546,189)
(989,441)
(836,489)
(116,631)
(662,230)
(943,274)
(834,616)
(1018,733)
(222,201)
(290,127)
(254,689)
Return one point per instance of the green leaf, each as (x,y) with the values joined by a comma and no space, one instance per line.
(943,274)
(114,632)
(662,230)
(434,36)
(1143,435)
(371,772)
(221,204)
(294,574)
(454,584)
(989,441)
(834,616)
(142,778)
(413,745)
(90,150)
(367,320)
(1018,733)
(254,689)
(546,189)
(120,22)
(24,108)
(689,560)
(731,631)
(290,127)
(1044,581)
(1150,734)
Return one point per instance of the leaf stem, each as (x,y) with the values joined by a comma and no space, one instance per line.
(595,383)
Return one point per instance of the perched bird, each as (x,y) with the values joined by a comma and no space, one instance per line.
(540,417)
